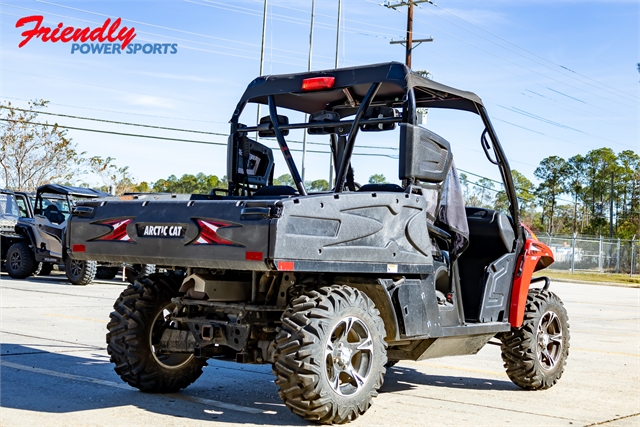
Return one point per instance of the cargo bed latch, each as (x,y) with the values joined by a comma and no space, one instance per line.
(256,211)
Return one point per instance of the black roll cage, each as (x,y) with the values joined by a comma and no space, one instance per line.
(409,109)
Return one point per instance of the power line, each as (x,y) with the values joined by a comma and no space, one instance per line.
(160,35)
(225,144)
(112,121)
(561,125)
(284,18)
(533,116)
(171,29)
(519,47)
(530,52)
(483,58)
(178,139)
(519,65)
(114,133)
(331,16)
(168,128)
(111,88)
(121,112)
(502,184)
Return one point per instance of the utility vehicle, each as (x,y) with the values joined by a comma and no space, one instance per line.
(26,202)
(332,287)
(45,213)
(42,231)
(9,214)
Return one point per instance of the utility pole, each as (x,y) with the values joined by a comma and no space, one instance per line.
(264,35)
(409,45)
(409,41)
(335,66)
(306,116)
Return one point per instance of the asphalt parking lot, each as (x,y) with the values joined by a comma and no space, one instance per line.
(54,371)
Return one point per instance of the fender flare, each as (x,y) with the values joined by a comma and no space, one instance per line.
(27,233)
(535,256)
(378,292)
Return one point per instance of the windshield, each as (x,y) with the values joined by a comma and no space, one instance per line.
(8,206)
(51,202)
(22,206)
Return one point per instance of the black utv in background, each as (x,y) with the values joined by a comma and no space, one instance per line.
(332,287)
(43,234)
(9,214)
(40,229)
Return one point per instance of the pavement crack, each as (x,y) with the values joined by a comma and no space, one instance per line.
(95,347)
(28,353)
(490,407)
(612,420)
(56,293)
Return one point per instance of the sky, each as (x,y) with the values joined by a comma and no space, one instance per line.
(557,77)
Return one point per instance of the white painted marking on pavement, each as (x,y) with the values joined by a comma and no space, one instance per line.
(90,380)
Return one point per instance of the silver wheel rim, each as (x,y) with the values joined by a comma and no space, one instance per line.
(348,356)
(160,323)
(549,340)
(76,267)
(15,261)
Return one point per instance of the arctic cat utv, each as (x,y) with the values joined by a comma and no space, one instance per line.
(42,232)
(333,287)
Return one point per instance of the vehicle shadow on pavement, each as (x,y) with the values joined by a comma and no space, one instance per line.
(400,378)
(60,279)
(36,380)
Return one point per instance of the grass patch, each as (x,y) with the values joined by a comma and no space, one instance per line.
(582,276)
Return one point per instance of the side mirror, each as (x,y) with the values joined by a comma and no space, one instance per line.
(265,128)
(424,155)
(487,147)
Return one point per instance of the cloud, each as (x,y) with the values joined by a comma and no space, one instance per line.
(480,17)
(151,101)
(181,77)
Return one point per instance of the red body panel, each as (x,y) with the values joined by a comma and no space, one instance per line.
(535,256)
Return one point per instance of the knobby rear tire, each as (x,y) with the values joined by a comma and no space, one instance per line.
(136,316)
(106,273)
(138,271)
(305,370)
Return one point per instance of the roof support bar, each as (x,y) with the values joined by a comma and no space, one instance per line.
(505,170)
(410,107)
(348,149)
(273,112)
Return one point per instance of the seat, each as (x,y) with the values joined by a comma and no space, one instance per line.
(382,187)
(490,237)
(53,214)
(276,190)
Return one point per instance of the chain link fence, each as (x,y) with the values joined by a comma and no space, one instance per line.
(591,253)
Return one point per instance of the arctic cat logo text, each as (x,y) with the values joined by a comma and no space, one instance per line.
(162,230)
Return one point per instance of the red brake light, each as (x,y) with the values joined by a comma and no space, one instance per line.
(318,83)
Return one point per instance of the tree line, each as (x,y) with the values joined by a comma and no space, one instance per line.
(593,194)
(596,194)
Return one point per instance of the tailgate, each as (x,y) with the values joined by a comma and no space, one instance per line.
(225,234)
